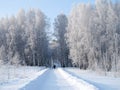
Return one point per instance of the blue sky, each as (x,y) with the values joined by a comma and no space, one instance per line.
(50,7)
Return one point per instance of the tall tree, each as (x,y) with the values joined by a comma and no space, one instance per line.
(60,25)
(78,34)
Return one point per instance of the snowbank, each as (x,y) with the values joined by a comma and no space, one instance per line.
(81,84)
(20,77)
(100,81)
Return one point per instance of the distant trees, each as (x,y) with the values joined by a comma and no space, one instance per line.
(93,35)
(60,26)
(23,38)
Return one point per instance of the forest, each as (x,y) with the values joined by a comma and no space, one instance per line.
(88,37)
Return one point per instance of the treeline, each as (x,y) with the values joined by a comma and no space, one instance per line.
(88,38)
(23,38)
(93,35)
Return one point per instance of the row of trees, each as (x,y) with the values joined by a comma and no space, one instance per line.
(88,38)
(23,38)
(93,35)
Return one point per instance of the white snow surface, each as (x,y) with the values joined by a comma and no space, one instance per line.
(101,81)
(37,78)
(58,79)
(23,76)
(40,78)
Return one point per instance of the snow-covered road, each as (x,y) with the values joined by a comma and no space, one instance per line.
(58,79)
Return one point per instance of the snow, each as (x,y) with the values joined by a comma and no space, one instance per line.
(41,78)
(23,76)
(58,80)
(81,84)
(100,81)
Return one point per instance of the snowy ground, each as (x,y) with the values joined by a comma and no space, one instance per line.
(41,78)
(58,79)
(18,76)
(46,79)
(99,80)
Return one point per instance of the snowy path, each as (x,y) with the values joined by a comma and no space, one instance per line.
(57,79)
